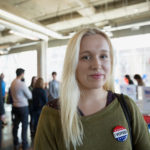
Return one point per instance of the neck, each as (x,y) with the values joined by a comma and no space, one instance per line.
(19,77)
(92,101)
(92,94)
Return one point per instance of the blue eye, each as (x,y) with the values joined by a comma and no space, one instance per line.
(103,56)
(86,57)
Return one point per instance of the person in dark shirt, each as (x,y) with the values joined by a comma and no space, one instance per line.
(127,77)
(39,100)
(30,101)
(139,80)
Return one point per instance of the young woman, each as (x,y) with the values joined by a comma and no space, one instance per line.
(139,80)
(39,100)
(88,115)
(30,102)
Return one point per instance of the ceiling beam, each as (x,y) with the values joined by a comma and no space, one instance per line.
(125,12)
(29,25)
(23,30)
(72,9)
(129,32)
(59,18)
(86,10)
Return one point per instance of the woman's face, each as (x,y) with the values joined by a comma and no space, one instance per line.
(94,64)
(34,80)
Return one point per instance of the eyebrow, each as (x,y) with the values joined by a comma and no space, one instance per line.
(90,51)
(85,52)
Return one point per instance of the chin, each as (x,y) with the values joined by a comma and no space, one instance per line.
(92,87)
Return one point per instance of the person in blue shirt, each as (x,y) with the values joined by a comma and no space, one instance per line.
(3,84)
(1,112)
(3,87)
(53,88)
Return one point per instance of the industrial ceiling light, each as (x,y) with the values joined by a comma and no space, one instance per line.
(30,25)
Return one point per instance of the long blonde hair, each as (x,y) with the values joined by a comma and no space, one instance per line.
(70,92)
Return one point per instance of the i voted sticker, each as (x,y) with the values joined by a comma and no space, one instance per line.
(120,133)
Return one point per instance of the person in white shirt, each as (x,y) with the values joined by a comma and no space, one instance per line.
(20,94)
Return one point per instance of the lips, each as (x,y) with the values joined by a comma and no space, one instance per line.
(97,76)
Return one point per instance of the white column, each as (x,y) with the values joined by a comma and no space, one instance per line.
(41,60)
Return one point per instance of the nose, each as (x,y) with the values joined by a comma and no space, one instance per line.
(96,64)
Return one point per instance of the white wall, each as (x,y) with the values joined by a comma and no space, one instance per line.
(55,61)
(26,60)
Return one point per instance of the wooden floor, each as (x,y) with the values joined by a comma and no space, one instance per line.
(7,140)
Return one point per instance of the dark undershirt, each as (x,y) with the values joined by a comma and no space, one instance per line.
(55,103)
(110,97)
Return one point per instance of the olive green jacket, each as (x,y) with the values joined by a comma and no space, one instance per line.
(98,129)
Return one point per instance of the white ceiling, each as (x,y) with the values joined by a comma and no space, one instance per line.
(57,19)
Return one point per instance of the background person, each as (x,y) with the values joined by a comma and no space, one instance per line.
(88,114)
(10,101)
(39,100)
(139,80)
(53,87)
(30,101)
(128,79)
(20,95)
(1,112)
(3,87)
(3,84)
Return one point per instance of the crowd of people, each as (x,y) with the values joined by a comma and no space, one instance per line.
(26,101)
(137,77)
